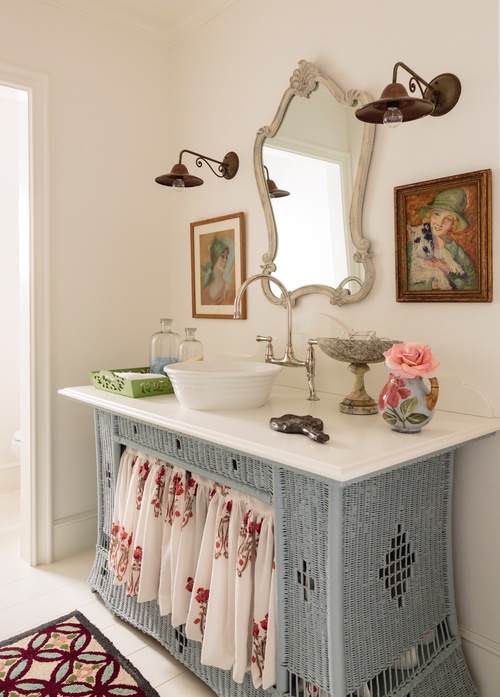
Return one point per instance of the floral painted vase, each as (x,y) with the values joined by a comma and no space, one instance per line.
(407,404)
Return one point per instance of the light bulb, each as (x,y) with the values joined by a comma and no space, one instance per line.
(392,117)
(178,185)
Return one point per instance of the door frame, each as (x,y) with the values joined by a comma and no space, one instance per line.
(36,518)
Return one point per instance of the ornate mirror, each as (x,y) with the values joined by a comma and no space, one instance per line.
(311,166)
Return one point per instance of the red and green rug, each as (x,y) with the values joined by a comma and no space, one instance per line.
(68,656)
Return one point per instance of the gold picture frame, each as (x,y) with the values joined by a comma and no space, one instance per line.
(443,239)
(217,265)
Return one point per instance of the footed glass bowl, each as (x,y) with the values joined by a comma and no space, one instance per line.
(358,353)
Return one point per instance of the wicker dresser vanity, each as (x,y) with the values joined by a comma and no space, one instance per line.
(365,604)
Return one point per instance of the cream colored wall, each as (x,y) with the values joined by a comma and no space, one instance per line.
(107,219)
(228,79)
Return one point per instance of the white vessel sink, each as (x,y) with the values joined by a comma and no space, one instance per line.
(221,385)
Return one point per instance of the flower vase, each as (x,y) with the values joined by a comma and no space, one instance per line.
(407,404)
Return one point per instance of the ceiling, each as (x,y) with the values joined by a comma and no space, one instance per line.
(168,20)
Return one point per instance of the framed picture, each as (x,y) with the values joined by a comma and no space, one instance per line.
(443,239)
(217,265)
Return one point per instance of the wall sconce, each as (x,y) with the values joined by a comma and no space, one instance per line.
(273,190)
(396,105)
(179,178)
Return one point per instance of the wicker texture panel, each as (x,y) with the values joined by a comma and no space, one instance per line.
(105,448)
(300,526)
(395,563)
(449,678)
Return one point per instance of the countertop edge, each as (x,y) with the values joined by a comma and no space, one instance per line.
(304,454)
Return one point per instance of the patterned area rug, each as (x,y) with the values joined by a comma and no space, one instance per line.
(68,656)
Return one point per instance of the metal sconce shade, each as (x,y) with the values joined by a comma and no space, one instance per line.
(227,169)
(395,95)
(179,171)
(438,98)
(273,190)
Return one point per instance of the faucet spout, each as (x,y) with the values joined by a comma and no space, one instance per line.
(288,358)
(286,300)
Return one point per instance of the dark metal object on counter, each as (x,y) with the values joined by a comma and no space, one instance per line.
(306,425)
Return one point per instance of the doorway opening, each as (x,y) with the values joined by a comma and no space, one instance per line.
(14,205)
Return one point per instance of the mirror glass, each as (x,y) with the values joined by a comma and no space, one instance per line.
(317,154)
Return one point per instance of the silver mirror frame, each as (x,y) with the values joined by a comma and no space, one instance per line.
(304,81)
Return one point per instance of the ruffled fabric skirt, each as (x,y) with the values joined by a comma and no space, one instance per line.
(206,553)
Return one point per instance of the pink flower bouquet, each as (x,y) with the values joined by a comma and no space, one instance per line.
(411,361)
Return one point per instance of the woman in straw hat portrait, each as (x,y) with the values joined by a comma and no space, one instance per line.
(218,285)
(435,260)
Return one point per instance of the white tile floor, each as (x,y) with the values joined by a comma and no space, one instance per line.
(29,597)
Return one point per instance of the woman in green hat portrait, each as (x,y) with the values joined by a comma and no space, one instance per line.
(435,260)
(218,287)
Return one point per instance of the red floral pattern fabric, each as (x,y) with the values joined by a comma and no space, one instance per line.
(206,553)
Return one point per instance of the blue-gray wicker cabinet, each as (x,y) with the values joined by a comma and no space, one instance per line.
(364,583)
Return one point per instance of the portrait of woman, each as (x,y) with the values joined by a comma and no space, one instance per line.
(443,239)
(218,277)
(217,265)
(435,259)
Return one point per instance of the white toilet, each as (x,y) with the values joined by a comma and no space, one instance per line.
(16,445)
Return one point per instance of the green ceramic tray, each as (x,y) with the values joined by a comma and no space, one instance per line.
(134,387)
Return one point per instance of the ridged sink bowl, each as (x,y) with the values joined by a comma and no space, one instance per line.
(220,385)
(358,353)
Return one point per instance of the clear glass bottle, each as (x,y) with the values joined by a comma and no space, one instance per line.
(164,348)
(190,348)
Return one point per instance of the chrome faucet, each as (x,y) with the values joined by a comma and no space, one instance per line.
(288,358)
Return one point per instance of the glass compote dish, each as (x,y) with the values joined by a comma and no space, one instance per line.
(358,353)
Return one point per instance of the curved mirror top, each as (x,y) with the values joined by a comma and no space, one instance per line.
(317,153)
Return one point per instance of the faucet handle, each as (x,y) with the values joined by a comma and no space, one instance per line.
(269,347)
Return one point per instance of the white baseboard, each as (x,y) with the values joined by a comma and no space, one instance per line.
(483,659)
(10,477)
(74,534)
(480,641)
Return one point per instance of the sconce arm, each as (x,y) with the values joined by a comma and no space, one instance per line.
(200,159)
(226,169)
(415,78)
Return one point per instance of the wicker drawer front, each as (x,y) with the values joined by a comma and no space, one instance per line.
(218,462)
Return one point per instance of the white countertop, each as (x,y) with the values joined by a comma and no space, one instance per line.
(358,445)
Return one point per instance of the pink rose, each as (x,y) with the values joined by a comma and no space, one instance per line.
(411,360)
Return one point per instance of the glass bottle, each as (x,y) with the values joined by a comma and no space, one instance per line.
(164,348)
(190,348)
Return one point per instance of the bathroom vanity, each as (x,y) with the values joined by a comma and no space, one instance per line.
(365,603)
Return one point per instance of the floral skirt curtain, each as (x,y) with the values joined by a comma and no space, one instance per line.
(205,552)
